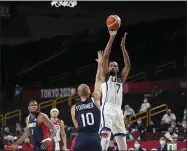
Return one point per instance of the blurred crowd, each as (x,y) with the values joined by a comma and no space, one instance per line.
(169,125)
(8,138)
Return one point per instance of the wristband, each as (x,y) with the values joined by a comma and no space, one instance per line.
(47,139)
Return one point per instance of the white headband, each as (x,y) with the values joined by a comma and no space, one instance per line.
(54,109)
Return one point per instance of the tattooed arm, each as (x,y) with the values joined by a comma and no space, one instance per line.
(45,120)
(49,124)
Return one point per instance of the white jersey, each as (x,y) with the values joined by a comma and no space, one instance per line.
(57,137)
(112,91)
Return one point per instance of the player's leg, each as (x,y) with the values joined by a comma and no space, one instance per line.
(105,139)
(79,143)
(37,148)
(97,145)
(73,143)
(119,131)
(121,142)
(105,129)
(93,142)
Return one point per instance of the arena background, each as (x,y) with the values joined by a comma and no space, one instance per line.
(48,51)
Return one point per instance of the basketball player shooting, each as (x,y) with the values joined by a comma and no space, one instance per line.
(112,96)
(86,115)
(60,131)
(38,126)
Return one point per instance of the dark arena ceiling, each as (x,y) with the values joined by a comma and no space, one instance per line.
(35,31)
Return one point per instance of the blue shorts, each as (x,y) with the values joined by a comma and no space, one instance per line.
(88,142)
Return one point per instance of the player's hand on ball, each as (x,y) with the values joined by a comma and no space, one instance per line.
(113,22)
(100,57)
(112,32)
(123,41)
(45,143)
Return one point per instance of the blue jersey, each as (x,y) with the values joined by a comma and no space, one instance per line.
(37,131)
(88,116)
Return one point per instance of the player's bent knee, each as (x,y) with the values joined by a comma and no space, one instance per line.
(105,130)
(105,134)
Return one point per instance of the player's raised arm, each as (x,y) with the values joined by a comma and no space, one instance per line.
(127,66)
(98,80)
(99,60)
(107,52)
(73,116)
(63,135)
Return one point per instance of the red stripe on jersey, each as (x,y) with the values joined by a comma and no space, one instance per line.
(58,122)
(73,143)
(45,131)
(50,147)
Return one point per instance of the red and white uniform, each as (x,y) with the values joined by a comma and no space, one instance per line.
(57,137)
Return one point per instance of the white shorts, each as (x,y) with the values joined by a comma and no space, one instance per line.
(112,119)
(57,146)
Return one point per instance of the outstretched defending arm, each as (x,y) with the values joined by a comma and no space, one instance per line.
(97,90)
(99,74)
(127,66)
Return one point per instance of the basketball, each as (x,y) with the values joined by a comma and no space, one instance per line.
(113,22)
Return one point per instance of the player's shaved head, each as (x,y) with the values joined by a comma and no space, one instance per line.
(83,90)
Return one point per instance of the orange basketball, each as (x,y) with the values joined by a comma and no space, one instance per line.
(113,22)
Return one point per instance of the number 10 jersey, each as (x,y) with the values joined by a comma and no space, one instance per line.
(88,116)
